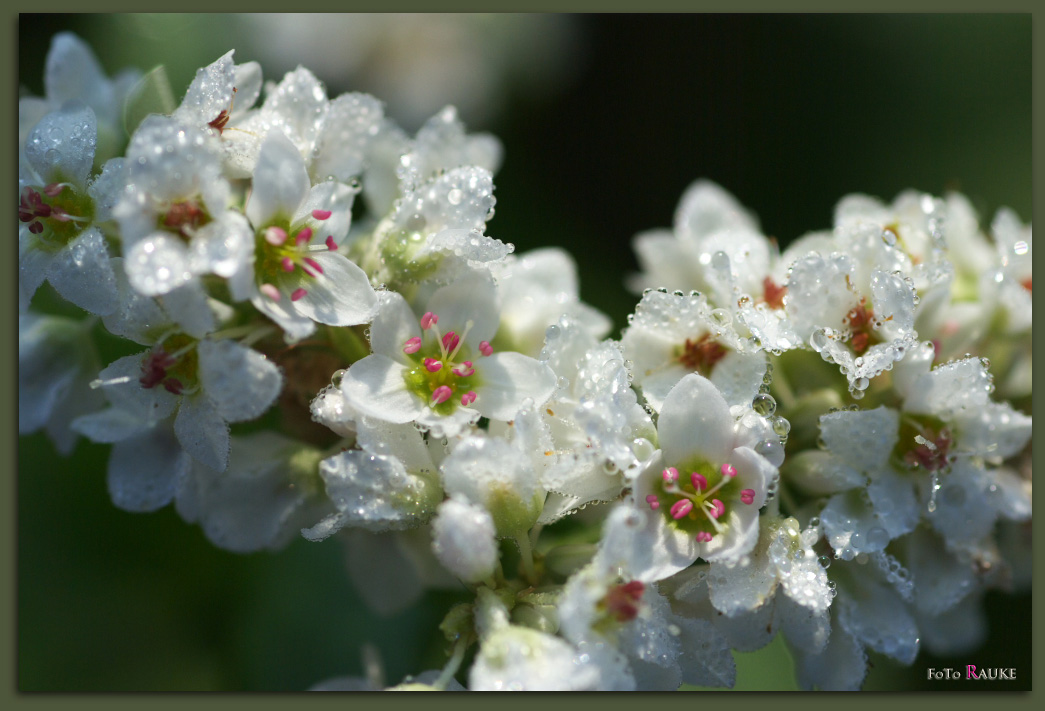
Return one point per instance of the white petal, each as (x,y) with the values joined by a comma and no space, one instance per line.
(962,386)
(655,387)
(806,628)
(376,386)
(81,273)
(145,471)
(507,380)
(188,307)
(894,501)
(461,198)
(295,325)
(73,72)
(383,571)
(695,423)
(464,540)
(60,148)
(110,425)
(340,296)
(961,514)
(402,441)
(738,376)
(820,473)
(743,588)
(202,433)
(864,439)
(240,382)
(157,264)
(150,405)
(961,630)
(348,128)
(996,430)
(105,190)
(841,666)
(328,195)
(295,107)
(818,292)
(248,86)
(941,580)
(1010,495)
(393,325)
(471,299)
(666,263)
(280,184)
(172,161)
(224,246)
(878,617)
(642,544)
(852,527)
(209,93)
(706,659)
(34,261)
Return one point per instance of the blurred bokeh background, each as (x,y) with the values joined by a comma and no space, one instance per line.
(605,120)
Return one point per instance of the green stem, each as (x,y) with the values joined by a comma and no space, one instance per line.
(526,553)
(460,647)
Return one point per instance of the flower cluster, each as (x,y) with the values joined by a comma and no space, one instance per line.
(830,442)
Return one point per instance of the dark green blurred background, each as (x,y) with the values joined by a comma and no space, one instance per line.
(789,113)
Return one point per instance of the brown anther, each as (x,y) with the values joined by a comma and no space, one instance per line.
(934,456)
(1026,283)
(859,320)
(621,601)
(701,355)
(186,217)
(774,295)
(219,123)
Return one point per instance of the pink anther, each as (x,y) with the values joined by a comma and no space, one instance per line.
(450,341)
(275,236)
(468,398)
(699,481)
(704,537)
(429,320)
(297,294)
(728,470)
(288,264)
(313,263)
(718,510)
(331,244)
(670,475)
(321,214)
(681,508)
(432,365)
(303,236)
(485,348)
(748,496)
(441,394)
(412,345)
(464,370)
(651,499)
(270,291)
(54,189)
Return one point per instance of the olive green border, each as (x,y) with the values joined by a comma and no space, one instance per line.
(251,701)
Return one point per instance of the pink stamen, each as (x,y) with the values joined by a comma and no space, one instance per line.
(59,214)
(441,394)
(173,385)
(729,470)
(651,499)
(429,320)
(464,370)
(313,263)
(303,236)
(681,508)
(331,244)
(468,398)
(450,340)
(699,481)
(432,365)
(412,345)
(704,537)
(297,294)
(36,227)
(321,214)
(54,189)
(485,348)
(308,270)
(936,349)
(748,496)
(720,508)
(288,264)
(270,291)
(275,236)
(670,475)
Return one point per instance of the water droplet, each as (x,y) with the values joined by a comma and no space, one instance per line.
(764,405)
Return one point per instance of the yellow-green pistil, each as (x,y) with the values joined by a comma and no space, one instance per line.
(695,503)
(443,374)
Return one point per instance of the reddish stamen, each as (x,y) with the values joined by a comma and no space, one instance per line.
(432,365)
(621,601)
(412,345)
(275,236)
(288,264)
(651,499)
(321,214)
(429,320)
(303,236)
(450,341)
(464,370)
(297,294)
(702,355)
(54,189)
(313,263)
(173,385)
(718,510)
(36,227)
(747,496)
(270,291)
(681,508)
(485,348)
(728,470)
(331,244)
(441,394)
(670,475)
(704,537)
(774,294)
(468,398)
(699,481)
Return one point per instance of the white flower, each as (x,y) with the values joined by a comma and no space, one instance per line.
(701,499)
(464,539)
(57,239)
(671,335)
(300,278)
(56,361)
(441,371)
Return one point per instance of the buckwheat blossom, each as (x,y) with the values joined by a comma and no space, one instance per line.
(440,370)
(701,498)
(58,239)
